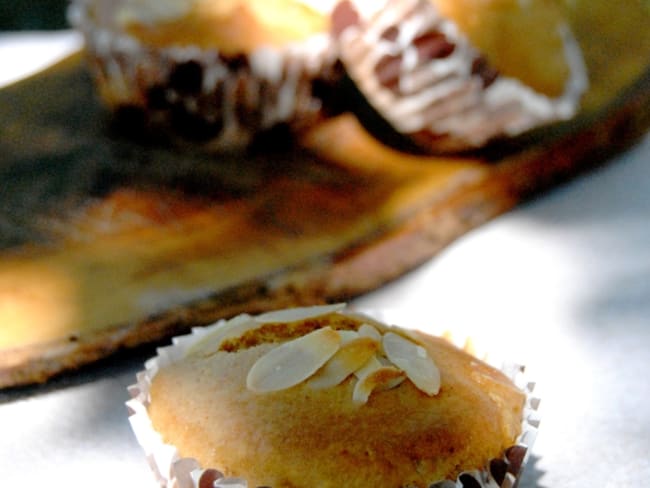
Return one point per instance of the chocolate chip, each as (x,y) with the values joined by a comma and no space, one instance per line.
(388,71)
(433,45)
(236,62)
(187,78)
(481,68)
(157,97)
(390,34)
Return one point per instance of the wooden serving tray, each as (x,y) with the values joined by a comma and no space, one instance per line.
(108,243)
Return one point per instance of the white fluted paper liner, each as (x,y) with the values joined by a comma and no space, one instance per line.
(200,95)
(174,471)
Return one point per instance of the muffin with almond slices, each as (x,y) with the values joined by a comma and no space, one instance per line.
(322,396)
(212,73)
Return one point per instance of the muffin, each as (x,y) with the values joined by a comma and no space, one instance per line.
(212,73)
(442,76)
(323,396)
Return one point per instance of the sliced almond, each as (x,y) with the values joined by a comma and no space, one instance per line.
(367,319)
(470,348)
(373,364)
(367,330)
(348,335)
(233,328)
(411,334)
(349,358)
(298,313)
(384,378)
(448,336)
(414,361)
(294,361)
(384,360)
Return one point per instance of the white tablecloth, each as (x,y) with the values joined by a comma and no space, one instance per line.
(561,284)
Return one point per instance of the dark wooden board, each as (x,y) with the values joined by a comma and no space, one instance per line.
(108,243)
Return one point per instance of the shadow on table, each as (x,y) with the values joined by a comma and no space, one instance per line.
(606,215)
(123,363)
(532,474)
(604,196)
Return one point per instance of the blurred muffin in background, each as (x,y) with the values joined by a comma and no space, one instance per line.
(215,73)
(453,75)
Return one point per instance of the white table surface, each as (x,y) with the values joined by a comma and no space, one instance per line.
(561,284)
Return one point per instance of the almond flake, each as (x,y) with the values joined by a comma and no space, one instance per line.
(348,335)
(367,330)
(367,319)
(384,378)
(298,313)
(414,361)
(349,358)
(371,365)
(231,329)
(294,361)
(411,334)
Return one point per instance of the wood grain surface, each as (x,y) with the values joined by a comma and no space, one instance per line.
(108,242)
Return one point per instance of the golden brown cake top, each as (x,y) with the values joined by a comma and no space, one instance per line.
(431,412)
(522,39)
(231,26)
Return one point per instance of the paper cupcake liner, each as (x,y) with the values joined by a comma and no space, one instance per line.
(419,73)
(174,471)
(201,95)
